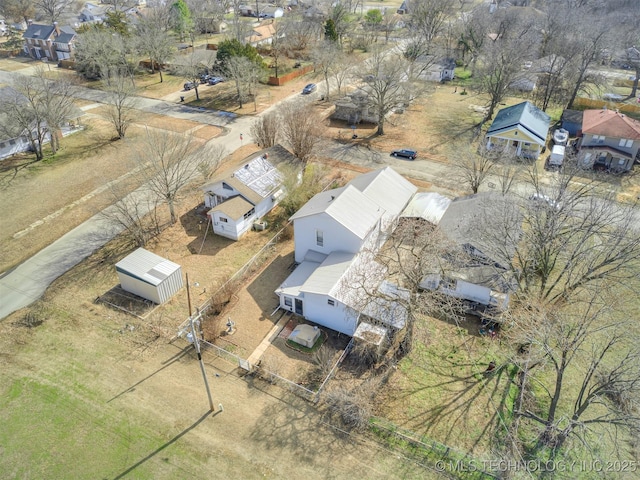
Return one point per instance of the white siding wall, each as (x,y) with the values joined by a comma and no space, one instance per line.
(472,292)
(336,238)
(139,288)
(317,309)
(228,229)
(263,208)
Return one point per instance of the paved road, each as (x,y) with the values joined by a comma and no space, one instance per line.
(26,283)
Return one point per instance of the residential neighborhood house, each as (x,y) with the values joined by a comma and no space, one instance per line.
(355,108)
(610,140)
(441,70)
(336,235)
(92,13)
(49,41)
(240,200)
(262,35)
(484,278)
(14,139)
(520,129)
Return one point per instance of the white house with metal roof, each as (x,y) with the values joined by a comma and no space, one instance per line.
(149,276)
(336,234)
(240,200)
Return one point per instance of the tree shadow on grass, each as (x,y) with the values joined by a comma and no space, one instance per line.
(463,397)
(162,447)
(12,166)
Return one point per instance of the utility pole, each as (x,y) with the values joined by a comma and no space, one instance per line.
(196,344)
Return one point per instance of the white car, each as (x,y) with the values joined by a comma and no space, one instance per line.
(540,199)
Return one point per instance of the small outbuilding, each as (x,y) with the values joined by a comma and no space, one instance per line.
(149,276)
(305,335)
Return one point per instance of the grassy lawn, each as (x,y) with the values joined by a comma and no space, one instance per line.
(441,391)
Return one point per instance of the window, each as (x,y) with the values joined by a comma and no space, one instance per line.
(288,302)
(249,213)
(621,161)
(331,302)
(222,219)
(625,143)
(319,238)
(598,138)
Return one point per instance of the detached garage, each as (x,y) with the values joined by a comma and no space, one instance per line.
(149,276)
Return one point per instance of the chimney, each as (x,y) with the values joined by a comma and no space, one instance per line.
(56,28)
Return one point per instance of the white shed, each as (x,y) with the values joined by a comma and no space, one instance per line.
(149,276)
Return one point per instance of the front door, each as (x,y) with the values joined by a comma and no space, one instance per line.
(298,306)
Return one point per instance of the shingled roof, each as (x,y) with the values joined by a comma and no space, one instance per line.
(610,124)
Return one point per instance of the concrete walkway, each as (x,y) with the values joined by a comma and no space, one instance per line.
(268,340)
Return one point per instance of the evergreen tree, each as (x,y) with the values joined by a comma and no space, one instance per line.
(330,32)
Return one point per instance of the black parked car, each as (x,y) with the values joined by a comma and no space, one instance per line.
(405,153)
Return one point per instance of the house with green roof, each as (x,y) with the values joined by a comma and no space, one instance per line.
(520,129)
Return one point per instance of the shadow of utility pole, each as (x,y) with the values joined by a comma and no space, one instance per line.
(159,449)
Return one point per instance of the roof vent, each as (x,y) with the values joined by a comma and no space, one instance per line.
(266,155)
(332,198)
(246,166)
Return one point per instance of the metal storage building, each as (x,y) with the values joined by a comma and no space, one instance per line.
(149,276)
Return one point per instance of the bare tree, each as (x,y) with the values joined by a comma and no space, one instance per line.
(130,212)
(300,33)
(190,67)
(53,9)
(342,70)
(264,130)
(473,168)
(587,43)
(100,52)
(428,21)
(37,108)
(299,128)
(55,100)
(385,76)
(19,10)
(325,55)
(502,59)
(245,74)
(171,162)
(122,102)
(278,43)
(581,344)
(573,237)
(154,40)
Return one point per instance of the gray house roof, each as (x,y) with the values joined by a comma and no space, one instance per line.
(525,115)
(468,221)
(259,177)
(38,31)
(348,206)
(387,188)
(363,201)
